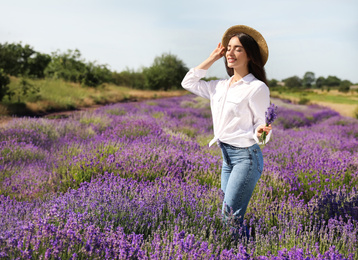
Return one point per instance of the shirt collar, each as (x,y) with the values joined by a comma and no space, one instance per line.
(247,79)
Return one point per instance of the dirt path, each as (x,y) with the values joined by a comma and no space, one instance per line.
(4,120)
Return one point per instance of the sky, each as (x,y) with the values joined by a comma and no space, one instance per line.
(320,36)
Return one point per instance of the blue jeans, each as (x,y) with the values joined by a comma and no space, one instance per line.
(242,168)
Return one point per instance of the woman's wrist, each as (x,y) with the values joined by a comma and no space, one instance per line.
(205,65)
(214,56)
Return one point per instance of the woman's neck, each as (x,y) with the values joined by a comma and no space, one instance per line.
(239,74)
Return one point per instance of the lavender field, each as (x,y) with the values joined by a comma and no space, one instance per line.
(138,181)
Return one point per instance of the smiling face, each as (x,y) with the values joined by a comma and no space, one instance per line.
(236,55)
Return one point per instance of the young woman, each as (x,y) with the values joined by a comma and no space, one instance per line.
(238,106)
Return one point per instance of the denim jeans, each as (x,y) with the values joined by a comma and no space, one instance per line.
(242,168)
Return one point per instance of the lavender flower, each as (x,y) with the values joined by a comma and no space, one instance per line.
(137,181)
(270,115)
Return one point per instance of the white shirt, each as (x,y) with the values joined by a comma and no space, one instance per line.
(237,110)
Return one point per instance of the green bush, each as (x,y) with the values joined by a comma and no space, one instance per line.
(4,82)
(71,67)
(293,82)
(129,78)
(16,60)
(303,101)
(166,73)
(344,86)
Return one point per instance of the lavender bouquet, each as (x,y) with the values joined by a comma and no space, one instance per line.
(270,116)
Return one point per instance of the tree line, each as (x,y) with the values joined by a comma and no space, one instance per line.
(166,72)
(309,80)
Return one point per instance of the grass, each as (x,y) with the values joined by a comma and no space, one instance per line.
(57,95)
(344,103)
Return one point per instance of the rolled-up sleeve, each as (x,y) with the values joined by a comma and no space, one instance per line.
(259,102)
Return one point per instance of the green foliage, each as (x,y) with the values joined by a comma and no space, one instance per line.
(293,82)
(67,66)
(210,78)
(166,73)
(303,101)
(344,86)
(308,79)
(332,81)
(95,75)
(38,64)
(20,91)
(4,82)
(273,83)
(71,67)
(16,60)
(129,78)
(26,88)
(320,82)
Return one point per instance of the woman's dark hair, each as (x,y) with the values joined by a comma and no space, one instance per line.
(253,53)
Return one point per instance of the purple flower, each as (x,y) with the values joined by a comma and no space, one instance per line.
(270,116)
(136,180)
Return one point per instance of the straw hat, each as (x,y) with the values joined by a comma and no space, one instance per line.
(250,31)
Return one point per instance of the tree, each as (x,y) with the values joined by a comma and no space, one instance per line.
(344,86)
(71,67)
(332,81)
(273,83)
(67,66)
(18,60)
(4,82)
(308,79)
(129,78)
(38,64)
(166,73)
(25,89)
(293,82)
(95,75)
(320,81)
(14,58)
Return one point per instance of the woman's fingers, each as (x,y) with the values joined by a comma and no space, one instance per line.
(263,128)
(267,129)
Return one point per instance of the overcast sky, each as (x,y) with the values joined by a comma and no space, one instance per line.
(304,35)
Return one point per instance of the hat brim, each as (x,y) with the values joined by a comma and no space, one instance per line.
(250,31)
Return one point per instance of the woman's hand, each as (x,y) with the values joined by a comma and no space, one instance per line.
(214,56)
(263,128)
(218,52)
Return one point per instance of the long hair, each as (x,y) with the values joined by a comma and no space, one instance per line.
(255,65)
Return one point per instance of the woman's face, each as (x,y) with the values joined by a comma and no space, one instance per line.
(236,56)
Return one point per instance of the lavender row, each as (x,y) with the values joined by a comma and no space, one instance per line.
(305,205)
(112,217)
